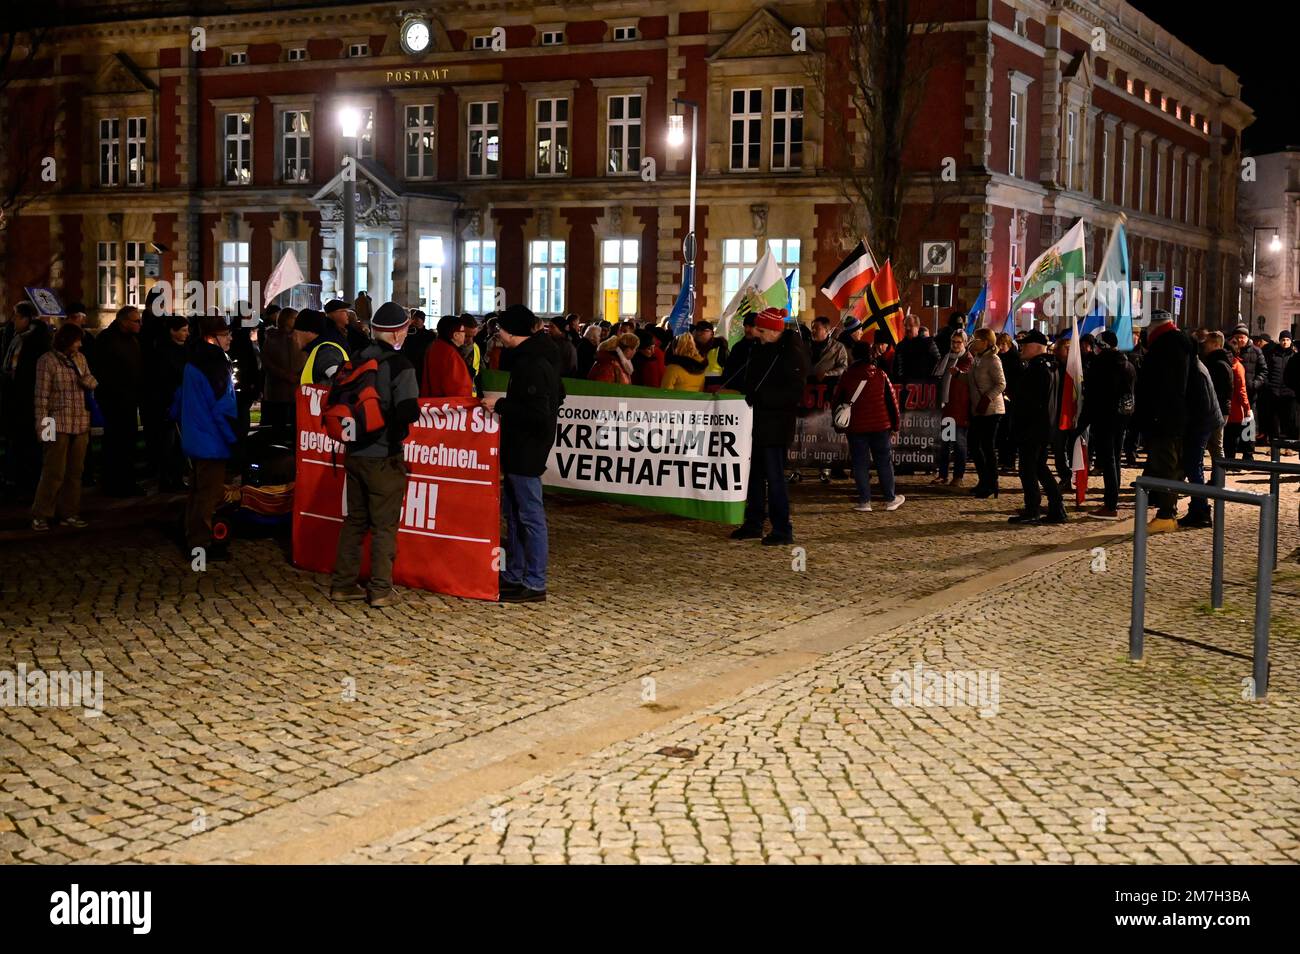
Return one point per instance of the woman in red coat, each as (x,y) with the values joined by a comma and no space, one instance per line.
(445,371)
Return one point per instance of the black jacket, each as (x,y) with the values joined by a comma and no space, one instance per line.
(1278,359)
(1109,377)
(774,386)
(531,406)
(1162,384)
(733,372)
(1256,367)
(586,353)
(118,367)
(1034,407)
(568,356)
(1219,364)
(915,358)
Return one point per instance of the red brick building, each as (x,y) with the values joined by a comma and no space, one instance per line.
(513,152)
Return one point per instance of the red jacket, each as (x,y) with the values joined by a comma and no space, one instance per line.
(958,404)
(648,371)
(608,368)
(876,408)
(445,372)
(1239,403)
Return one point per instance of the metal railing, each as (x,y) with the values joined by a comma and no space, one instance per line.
(1267,504)
(1275,469)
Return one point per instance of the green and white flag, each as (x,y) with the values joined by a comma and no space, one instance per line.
(765,283)
(1063,260)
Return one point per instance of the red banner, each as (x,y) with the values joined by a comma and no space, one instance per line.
(448,540)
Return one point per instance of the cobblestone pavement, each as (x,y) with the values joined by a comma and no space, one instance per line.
(239,697)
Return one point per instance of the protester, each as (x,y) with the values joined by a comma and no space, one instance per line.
(685,368)
(24,347)
(470,350)
(1006,438)
(566,350)
(282,363)
(1107,406)
(1255,371)
(648,363)
(1280,408)
(119,369)
(165,370)
(418,341)
(713,349)
(1063,438)
(1161,405)
(363,309)
(587,347)
(528,414)
(954,408)
(76,315)
(774,385)
(830,358)
(311,333)
(851,332)
(63,380)
(614,360)
(445,373)
(374,467)
(874,418)
(1204,418)
(988,384)
(956,319)
(1239,405)
(206,410)
(916,355)
(1036,413)
(345,331)
(733,372)
(1215,357)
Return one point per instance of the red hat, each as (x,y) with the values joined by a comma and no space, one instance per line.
(773,319)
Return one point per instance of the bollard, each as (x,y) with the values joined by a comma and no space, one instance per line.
(1137,616)
(1274,489)
(1264,592)
(1217,477)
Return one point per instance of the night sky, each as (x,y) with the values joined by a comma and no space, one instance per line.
(1256,41)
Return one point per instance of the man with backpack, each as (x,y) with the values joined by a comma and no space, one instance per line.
(1161,398)
(311,333)
(1107,407)
(372,403)
(1035,413)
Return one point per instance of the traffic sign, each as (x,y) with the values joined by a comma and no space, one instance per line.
(1178,293)
(1155,279)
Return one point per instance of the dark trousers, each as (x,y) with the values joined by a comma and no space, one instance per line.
(874,447)
(984,432)
(376,489)
(1062,451)
(1164,459)
(953,451)
(1194,445)
(1232,443)
(1006,442)
(121,429)
(278,414)
(1036,479)
(1281,416)
(767,490)
(1107,439)
(23,451)
(207,487)
(1131,438)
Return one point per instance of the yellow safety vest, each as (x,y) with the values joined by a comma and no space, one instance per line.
(714,369)
(477,356)
(311,360)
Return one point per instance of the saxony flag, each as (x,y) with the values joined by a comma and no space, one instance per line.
(1064,258)
(767,282)
(879,306)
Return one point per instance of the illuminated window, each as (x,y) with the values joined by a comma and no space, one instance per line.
(479,276)
(546,277)
(552,137)
(620,263)
(239,148)
(623,130)
(484,139)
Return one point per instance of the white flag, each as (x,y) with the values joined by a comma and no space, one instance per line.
(285,276)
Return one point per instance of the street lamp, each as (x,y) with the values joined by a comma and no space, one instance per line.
(1274,246)
(676,136)
(350,126)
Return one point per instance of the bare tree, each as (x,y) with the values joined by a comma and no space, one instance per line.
(26,135)
(871,90)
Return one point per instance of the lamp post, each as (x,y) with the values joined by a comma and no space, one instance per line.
(1274,246)
(676,136)
(349,125)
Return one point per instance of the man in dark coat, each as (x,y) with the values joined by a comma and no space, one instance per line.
(27,338)
(1256,367)
(733,372)
(119,369)
(528,414)
(1107,405)
(1279,415)
(916,355)
(563,347)
(1161,407)
(1035,414)
(774,386)
(418,340)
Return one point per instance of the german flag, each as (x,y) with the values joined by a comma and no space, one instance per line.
(878,308)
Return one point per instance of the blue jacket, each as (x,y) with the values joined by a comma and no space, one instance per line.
(206,422)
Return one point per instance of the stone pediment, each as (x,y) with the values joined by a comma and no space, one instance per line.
(763,34)
(119,74)
(1079,70)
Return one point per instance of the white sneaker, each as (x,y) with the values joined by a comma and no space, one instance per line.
(895,503)
(862,508)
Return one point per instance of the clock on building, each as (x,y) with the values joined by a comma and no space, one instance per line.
(415,35)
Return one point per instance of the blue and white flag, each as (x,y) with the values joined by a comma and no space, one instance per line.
(1114,297)
(976,310)
(680,319)
(790,315)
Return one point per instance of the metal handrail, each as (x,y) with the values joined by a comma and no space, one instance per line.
(1267,504)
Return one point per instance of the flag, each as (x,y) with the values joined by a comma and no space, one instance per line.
(1079,464)
(283,277)
(679,320)
(850,276)
(766,282)
(1113,296)
(790,315)
(976,310)
(1072,393)
(1009,326)
(879,305)
(1063,259)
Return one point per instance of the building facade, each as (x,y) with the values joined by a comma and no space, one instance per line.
(523,156)
(1270,231)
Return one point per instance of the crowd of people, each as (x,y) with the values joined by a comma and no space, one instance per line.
(189,387)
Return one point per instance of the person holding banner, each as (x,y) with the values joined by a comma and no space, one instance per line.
(773,387)
(445,372)
(528,415)
(376,472)
(686,367)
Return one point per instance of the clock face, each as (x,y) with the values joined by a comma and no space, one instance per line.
(415,36)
